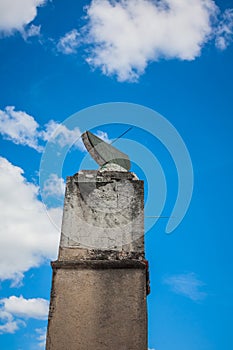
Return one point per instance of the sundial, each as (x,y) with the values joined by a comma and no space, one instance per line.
(104,153)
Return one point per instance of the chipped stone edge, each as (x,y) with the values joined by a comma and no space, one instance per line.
(98,264)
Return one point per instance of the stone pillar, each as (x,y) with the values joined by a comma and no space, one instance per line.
(98,296)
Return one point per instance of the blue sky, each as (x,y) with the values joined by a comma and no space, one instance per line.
(58,58)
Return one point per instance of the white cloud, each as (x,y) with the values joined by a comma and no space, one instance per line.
(54,186)
(187,285)
(19,127)
(41,337)
(14,309)
(126,35)
(224,30)
(31,31)
(15,15)
(27,236)
(9,327)
(103,135)
(8,323)
(26,308)
(22,129)
(69,43)
(62,136)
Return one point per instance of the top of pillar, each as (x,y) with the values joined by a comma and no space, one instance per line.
(103,176)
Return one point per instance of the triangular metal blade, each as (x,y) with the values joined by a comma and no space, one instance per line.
(104,153)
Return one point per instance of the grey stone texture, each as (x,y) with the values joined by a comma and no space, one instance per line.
(98,296)
(103,210)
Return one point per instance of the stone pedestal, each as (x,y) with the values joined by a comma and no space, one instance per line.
(98,297)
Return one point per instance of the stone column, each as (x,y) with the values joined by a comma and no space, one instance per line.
(98,296)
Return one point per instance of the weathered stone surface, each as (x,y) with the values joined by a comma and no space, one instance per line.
(98,296)
(103,211)
(98,309)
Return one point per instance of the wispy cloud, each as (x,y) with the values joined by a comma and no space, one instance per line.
(69,43)
(188,285)
(41,337)
(31,31)
(8,323)
(54,186)
(103,135)
(224,30)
